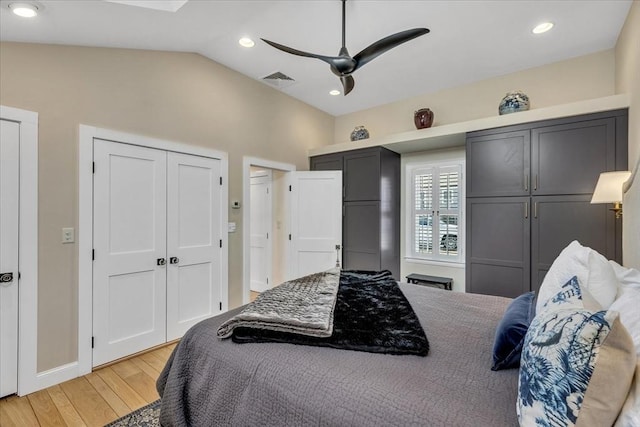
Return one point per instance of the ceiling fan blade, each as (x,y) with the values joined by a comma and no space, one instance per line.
(328,59)
(381,46)
(347,83)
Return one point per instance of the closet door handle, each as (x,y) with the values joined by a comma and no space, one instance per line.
(6,277)
(174,260)
(161,261)
(526,182)
(535,210)
(535,184)
(526,209)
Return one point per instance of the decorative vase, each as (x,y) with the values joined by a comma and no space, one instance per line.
(423,118)
(513,102)
(360,132)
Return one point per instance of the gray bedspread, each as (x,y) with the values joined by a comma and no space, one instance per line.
(208,382)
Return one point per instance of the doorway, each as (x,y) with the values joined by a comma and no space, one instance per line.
(306,222)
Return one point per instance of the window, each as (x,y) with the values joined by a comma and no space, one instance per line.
(435,227)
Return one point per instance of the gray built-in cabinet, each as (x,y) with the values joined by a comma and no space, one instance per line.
(528,195)
(371,207)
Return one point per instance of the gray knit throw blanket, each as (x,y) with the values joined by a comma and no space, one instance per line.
(302,306)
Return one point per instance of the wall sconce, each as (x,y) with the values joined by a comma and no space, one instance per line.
(609,189)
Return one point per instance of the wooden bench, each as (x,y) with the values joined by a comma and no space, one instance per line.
(422,279)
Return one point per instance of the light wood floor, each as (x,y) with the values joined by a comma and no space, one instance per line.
(96,399)
(253,296)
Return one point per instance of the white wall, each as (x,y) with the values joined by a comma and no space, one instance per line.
(408,266)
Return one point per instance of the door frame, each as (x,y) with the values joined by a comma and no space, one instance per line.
(28,378)
(85,222)
(247,162)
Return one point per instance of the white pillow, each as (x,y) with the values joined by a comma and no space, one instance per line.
(626,276)
(592,270)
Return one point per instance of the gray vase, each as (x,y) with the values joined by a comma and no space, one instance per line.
(513,102)
(360,132)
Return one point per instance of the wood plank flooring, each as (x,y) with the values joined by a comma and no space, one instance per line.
(93,400)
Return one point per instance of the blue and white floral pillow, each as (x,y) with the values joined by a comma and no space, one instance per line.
(567,351)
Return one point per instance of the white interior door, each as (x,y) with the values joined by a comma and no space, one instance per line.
(316,221)
(261,234)
(9,181)
(193,241)
(129,282)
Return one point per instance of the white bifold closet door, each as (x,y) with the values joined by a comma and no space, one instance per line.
(130,246)
(193,241)
(156,242)
(9,188)
(261,234)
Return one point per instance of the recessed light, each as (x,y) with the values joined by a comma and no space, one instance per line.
(246,42)
(24,10)
(334,92)
(542,28)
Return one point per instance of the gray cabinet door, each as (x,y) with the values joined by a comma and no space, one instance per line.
(568,158)
(498,164)
(558,220)
(361,236)
(361,175)
(498,246)
(327,162)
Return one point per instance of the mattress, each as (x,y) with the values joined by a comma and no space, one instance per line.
(208,381)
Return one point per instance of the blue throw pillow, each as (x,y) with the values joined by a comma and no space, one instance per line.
(511,332)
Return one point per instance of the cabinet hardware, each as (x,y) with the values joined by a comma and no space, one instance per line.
(161,261)
(174,260)
(535,184)
(535,210)
(526,209)
(526,182)
(6,277)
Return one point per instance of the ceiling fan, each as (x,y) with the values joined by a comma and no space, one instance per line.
(344,64)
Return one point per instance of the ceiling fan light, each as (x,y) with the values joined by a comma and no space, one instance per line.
(24,10)
(334,92)
(246,42)
(542,28)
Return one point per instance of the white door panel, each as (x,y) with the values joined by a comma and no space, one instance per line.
(316,221)
(260,229)
(193,241)
(129,287)
(9,190)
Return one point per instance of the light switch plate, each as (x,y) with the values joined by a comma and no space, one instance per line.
(68,235)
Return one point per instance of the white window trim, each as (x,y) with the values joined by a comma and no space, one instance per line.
(410,255)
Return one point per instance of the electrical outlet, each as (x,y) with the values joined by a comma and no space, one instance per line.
(68,235)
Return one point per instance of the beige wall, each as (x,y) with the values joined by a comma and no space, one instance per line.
(585,77)
(175,96)
(628,81)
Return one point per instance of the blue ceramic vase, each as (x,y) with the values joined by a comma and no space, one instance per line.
(513,102)
(360,132)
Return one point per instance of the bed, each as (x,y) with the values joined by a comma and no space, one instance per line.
(208,381)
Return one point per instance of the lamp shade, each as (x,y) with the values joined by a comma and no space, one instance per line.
(609,187)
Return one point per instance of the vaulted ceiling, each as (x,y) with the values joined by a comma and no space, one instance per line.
(469,40)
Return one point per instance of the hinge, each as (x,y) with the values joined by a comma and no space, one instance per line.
(220,180)
(267,280)
(289,188)
(221,306)
(267,235)
(19,275)
(289,236)
(220,242)
(94,167)
(267,190)
(93,342)
(93,254)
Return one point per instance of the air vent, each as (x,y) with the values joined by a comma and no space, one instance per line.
(279,80)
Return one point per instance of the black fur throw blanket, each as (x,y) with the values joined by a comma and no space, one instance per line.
(371,314)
